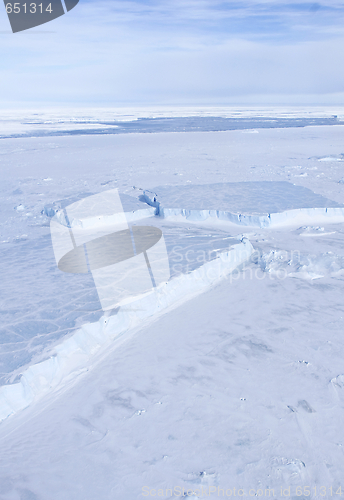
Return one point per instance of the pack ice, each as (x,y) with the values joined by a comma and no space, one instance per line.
(227,375)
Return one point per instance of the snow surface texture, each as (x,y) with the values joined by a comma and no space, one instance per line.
(240,386)
(75,352)
(49,304)
(63,302)
(242,202)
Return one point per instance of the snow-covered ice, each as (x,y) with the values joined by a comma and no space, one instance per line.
(53,122)
(244,203)
(233,376)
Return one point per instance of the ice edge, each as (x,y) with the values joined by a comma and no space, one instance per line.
(287,217)
(73,354)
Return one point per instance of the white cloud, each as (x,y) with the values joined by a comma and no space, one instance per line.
(181,51)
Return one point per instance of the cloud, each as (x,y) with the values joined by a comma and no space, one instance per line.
(177,51)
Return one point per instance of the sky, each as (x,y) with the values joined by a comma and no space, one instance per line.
(177,52)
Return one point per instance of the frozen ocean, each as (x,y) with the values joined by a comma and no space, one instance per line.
(226,378)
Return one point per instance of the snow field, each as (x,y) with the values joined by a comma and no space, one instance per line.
(240,386)
(74,353)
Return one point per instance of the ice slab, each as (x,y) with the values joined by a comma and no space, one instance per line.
(242,197)
(262,203)
(74,353)
(41,305)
